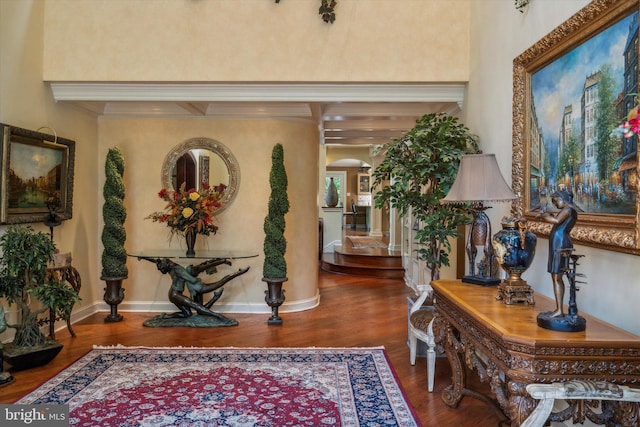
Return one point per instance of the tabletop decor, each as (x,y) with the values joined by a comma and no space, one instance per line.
(515,248)
(189,212)
(230,386)
(477,186)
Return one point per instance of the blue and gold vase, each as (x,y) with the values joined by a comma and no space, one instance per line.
(514,247)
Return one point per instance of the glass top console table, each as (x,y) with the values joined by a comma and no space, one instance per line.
(186,276)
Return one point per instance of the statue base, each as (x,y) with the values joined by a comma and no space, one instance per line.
(565,323)
(515,293)
(195,321)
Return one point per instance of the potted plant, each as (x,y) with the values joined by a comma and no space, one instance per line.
(114,255)
(422,166)
(274,270)
(23,276)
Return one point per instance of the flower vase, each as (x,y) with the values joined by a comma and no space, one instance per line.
(190,237)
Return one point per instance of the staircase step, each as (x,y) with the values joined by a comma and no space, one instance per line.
(361,264)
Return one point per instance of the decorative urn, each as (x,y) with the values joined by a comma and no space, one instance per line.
(331,198)
(514,247)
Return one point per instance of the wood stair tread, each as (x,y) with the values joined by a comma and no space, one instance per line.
(363,264)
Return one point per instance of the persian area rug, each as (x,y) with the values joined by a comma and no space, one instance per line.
(359,242)
(142,386)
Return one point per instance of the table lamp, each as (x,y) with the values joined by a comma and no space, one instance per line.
(479,181)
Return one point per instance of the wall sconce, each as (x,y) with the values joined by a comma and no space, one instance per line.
(479,181)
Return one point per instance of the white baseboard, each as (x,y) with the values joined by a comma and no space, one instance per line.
(84,311)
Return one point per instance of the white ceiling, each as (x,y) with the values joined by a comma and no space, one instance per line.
(346,114)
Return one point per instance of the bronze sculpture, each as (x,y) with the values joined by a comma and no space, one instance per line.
(182,277)
(562,262)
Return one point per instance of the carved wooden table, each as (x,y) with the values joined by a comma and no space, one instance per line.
(507,349)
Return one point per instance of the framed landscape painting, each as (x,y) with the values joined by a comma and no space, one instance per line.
(573,90)
(37,175)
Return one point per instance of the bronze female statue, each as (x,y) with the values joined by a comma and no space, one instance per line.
(562,262)
(560,239)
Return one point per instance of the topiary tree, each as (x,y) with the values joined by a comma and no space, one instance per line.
(114,255)
(422,166)
(274,270)
(275,245)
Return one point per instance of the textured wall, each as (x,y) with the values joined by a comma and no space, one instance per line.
(256,40)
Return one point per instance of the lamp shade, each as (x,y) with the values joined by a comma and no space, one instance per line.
(479,180)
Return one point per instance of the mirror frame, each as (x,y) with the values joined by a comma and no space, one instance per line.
(215,147)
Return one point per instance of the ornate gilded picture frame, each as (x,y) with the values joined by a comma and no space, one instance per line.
(571,91)
(37,172)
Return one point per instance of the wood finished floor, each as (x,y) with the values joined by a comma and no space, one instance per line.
(353,312)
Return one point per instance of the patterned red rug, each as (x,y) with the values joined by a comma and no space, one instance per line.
(135,386)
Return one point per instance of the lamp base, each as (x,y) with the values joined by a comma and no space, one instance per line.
(479,280)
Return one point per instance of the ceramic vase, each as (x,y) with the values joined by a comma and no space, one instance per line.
(332,194)
(514,247)
(190,237)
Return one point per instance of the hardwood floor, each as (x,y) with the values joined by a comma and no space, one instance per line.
(353,312)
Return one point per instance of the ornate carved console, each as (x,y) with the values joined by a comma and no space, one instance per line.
(507,349)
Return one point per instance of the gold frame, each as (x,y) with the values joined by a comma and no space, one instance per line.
(615,232)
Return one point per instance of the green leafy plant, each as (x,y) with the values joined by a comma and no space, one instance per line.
(23,274)
(275,245)
(421,167)
(114,255)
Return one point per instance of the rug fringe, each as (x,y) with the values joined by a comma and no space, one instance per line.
(121,346)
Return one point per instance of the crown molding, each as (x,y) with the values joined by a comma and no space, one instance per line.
(271,92)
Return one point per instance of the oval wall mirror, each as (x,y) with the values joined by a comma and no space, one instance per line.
(202,160)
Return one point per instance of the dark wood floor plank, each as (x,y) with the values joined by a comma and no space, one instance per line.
(353,312)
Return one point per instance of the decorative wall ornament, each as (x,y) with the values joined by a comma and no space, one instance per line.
(521,5)
(327,9)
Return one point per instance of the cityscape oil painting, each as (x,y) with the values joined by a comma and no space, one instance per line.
(576,125)
(578,105)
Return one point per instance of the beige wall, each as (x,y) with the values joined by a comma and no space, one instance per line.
(145,143)
(256,41)
(501,33)
(27,102)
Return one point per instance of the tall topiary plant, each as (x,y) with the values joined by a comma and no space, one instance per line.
(422,166)
(274,270)
(114,256)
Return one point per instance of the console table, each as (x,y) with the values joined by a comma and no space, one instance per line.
(507,349)
(186,276)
